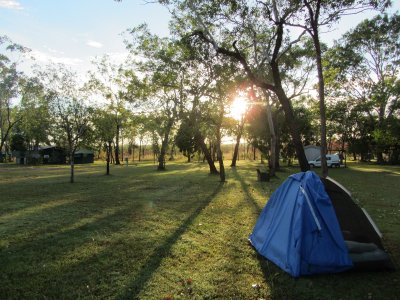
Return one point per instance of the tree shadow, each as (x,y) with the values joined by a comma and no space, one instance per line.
(272,274)
(245,187)
(43,255)
(133,289)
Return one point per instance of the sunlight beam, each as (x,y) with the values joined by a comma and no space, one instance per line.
(238,108)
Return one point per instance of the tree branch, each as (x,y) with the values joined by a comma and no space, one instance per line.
(236,55)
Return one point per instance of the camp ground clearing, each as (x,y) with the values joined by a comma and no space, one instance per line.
(178,234)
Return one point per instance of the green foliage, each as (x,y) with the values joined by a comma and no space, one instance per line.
(18,142)
(185,139)
(70,115)
(260,135)
(362,69)
(104,125)
(34,113)
(10,87)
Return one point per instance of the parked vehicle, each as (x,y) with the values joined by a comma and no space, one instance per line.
(332,160)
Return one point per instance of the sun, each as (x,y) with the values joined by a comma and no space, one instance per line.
(238,108)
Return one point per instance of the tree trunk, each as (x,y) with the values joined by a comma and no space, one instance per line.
(277,148)
(314,19)
(108,150)
(286,104)
(238,137)
(219,151)
(117,162)
(221,164)
(140,149)
(99,152)
(164,145)
(171,155)
(321,91)
(235,152)
(294,131)
(71,161)
(379,156)
(206,152)
(122,145)
(272,158)
(213,151)
(379,151)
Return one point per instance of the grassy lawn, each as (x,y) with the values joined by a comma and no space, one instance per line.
(143,234)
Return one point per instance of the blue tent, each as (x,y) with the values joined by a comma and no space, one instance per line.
(298,229)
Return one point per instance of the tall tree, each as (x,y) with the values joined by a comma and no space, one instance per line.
(110,82)
(315,14)
(363,68)
(252,36)
(104,131)
(185,139)
(34,113)
(164,77)
(10,87)
(239,132)
(70,114)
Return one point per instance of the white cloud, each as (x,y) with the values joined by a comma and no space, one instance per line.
(42,57)
(52,50)
(94,44)
(11,4)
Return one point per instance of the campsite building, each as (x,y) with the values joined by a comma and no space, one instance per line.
(20,157)
(84,156)
(58,155)
(53,155)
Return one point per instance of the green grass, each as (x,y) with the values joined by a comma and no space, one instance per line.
(145,234)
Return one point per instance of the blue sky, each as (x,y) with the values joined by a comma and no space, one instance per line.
(75,31)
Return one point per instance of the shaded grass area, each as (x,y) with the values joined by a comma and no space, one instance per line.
(143,234)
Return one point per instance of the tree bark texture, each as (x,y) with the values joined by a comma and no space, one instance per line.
(237,145)
(164,145)
(206,152)
(71,161)
(219,151)
(271,125)
(313,31)
(322,110)
(108,150)
(117,162)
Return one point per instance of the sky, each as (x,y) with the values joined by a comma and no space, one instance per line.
(73,32)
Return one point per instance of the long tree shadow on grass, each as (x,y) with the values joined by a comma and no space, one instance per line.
(271,272)
(245,187)
(29,258)
(134,288)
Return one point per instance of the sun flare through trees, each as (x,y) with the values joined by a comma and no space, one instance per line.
(238,108)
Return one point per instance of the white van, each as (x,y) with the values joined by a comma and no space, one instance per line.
(332,160)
